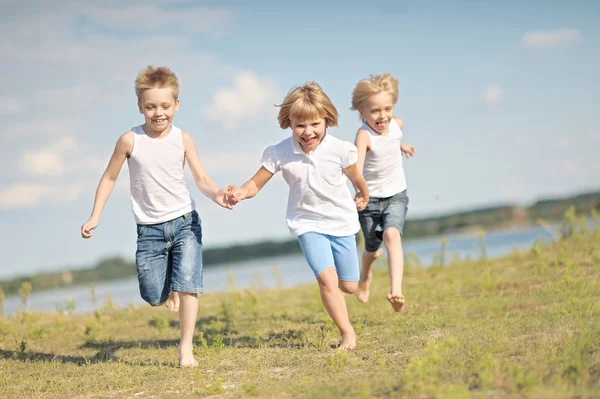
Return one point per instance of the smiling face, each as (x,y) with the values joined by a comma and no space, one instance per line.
(158,107)
(309,132)
(378,111)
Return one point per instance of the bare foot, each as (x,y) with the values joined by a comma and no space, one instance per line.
(348,341)
(364,288)
(173,302)
(186,358)
(397,301)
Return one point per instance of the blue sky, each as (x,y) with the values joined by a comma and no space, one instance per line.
(500,100)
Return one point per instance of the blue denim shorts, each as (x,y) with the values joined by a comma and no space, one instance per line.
(323,251)
(169,258)
(381,214)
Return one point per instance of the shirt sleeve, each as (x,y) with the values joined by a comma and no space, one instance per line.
(350,155)
(270,160)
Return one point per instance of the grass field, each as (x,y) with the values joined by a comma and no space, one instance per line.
(526,325)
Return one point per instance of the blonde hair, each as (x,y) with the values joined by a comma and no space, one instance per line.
(374,84)
(307,102)
(156,77)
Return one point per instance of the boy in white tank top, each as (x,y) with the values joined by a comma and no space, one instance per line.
(169,235)
(380,159)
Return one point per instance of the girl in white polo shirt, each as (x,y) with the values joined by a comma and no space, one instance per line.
(321,211)
(380,149)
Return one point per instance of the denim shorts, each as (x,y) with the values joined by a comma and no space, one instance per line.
(323,251)
(381,214)
(169,258)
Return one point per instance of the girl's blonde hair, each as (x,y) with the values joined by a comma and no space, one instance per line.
(374,84)
(156,77)
(307,102)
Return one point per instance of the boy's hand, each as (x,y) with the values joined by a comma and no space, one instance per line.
(361,201)
(86,229)
(223,199)
(408,150)
(238,194)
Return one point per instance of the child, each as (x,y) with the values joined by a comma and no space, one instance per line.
(169,235)
(380,161)
(320,212)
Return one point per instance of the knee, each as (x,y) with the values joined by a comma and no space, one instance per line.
(391,235)
(328,279)
(349,287)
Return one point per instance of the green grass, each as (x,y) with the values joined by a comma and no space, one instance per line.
(526,325)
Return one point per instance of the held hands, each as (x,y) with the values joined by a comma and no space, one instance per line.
(361,201)
(87,227)
(229,196)
(408,150)
(223,197)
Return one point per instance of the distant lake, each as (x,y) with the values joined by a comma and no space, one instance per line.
(283,271)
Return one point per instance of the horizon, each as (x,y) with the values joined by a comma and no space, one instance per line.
(498,99)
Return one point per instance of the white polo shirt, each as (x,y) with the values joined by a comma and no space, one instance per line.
(319,198)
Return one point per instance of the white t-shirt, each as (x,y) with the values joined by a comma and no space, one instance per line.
(383,169)
(319,199)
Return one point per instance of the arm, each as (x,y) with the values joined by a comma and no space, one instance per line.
(362,144)
(360,185)
(205,184)
(107,181)
(252,186)
(407,149)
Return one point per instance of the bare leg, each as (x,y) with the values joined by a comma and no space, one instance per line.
(188,314)
(364,285)
(334,302)
(393,244)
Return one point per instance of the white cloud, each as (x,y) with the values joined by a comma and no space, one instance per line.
(10,105)
(594,136)
(492,94)
(250,98)
(195,20)
(49,161)
(563,142)
(551,38)
(27,195)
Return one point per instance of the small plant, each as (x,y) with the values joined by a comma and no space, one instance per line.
(22,346)
(24,292)
(1,302)
(92,289)
(250,387)
(278,276)
(218,343)
(444,243)
(108,302)
(216,387)
(230,280)
(482,247)
(70,305)
(91,331)
(337,361)
(202,340)
(158,323)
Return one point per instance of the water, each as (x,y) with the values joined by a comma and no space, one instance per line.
(276,272)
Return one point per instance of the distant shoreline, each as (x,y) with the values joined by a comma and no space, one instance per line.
(466,223)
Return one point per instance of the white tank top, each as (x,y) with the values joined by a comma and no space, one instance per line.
(383,169)
(156,177)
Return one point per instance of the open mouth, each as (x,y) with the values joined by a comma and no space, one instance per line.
(159,121)
(380,125)
(309,140)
